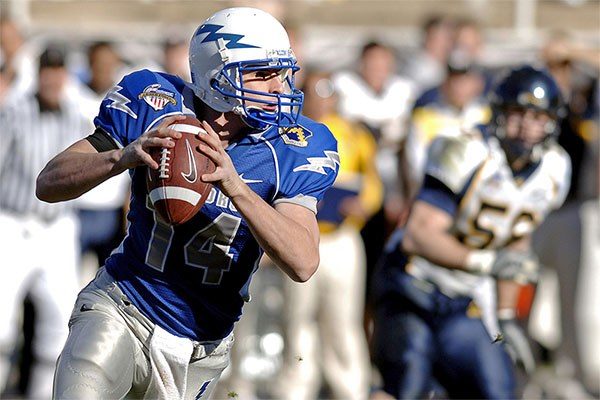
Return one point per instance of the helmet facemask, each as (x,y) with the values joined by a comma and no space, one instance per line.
(513,143)
(251,103)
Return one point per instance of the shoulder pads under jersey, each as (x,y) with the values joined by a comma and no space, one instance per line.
(558,164)
(453,160)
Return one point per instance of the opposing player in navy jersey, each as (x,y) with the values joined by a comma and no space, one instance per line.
(156,321)
(439,316)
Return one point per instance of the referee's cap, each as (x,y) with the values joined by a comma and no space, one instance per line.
(54,56)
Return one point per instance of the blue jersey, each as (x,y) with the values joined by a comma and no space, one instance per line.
(192,279)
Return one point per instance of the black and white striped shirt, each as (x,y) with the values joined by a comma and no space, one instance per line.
(29,137)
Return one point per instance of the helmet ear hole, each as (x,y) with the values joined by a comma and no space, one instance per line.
(214,83)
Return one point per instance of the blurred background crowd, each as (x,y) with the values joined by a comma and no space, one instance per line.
(386,77)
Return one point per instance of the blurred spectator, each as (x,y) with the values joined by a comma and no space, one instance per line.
(382,101)
(456,106)
(101,210)
(176,60)
(105,64)
(468,40)
(376,96)
(105,67)
(39,240)
(16,61)
(428,67)
(5,79)
(576,71)
(323,318)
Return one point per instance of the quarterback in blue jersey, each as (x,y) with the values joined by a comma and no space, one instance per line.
(156,321)
(438,315)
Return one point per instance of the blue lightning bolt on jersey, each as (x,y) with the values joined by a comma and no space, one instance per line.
(192,279)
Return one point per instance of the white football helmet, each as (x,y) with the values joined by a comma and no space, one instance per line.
(236,40)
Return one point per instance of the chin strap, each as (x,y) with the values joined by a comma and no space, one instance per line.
(256,118)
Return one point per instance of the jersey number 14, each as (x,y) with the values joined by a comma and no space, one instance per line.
(207,249)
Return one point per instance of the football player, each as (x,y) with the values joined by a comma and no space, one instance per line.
(156,321)
(483,194)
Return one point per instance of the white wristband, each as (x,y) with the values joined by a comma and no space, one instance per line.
(506,313)
(480,261)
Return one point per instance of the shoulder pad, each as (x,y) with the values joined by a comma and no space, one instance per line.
(558,164)
(557,157)
(452,160)
(137,102)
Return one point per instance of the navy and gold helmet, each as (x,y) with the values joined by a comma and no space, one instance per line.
(526,87)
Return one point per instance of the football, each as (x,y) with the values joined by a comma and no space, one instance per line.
(175,188)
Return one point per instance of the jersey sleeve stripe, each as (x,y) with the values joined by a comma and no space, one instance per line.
(302,200)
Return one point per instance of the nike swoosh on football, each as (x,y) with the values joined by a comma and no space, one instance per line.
(191,176)
(249,180)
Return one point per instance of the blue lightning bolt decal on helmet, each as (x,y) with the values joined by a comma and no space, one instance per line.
(239,40)
(232,41)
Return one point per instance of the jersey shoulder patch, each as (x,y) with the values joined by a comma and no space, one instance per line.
(305,170)
(319,153)
(137,102)
(307,139)
(297,136)
(453,160)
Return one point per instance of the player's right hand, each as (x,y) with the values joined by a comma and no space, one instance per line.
(138,152)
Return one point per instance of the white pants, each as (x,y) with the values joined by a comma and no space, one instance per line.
(323,323)
(40,259)
(114,352)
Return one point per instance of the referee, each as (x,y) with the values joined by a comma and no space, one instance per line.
(38,241)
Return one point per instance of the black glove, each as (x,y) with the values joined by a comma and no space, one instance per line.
(517,344)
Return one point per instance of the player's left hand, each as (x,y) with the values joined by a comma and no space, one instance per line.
(516,265)
(517,344)
(225,176)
